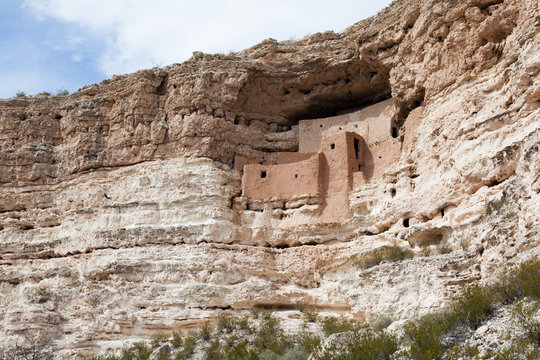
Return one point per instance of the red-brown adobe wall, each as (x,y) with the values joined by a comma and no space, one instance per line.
(285,181)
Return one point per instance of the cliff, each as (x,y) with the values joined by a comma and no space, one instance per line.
(121,211)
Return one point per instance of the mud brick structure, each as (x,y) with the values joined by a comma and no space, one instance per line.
(336,154)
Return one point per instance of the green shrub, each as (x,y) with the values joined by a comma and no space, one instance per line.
(206,332)
(157,339)
(176,341)
(241,351)
(310,315)
(522,281)
(225,323)
(392,253)
(474,305)
(462,351)
(424,336)
(214,350)
(332,325)
(524,313)
(138,351)
(188,347)
(362,344)
(243,324)
(269,336)
(21,94)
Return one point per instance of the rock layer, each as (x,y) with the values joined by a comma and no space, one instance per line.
(117,202)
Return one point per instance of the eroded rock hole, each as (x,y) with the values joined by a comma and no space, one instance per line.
(393,192)
(58,117)
(406,222)
(162,88)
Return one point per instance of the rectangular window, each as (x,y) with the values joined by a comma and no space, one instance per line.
(357,148)
(263,174)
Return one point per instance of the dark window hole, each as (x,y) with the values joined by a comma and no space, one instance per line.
(332,146)
(263,174)
(406,223)
(320,125)
(296,176)
(174,86)
(394,132)
(357,148)
(393,192)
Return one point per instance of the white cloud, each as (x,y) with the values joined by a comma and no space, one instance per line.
(76,57)
(142,33)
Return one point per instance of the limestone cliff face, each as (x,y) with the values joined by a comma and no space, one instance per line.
(119,211)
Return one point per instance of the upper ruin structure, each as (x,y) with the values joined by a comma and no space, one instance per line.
(335,155)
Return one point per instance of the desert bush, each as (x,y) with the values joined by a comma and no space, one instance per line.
(188,347)
(526,314)
(269,336)
(225,323)
(241,351)
(474,305)
(21,95)
(522,281)
(361,344)
(138,351)
(310,315)
(28,347)
(392,253)
(157,339)
(462,351)
(382,323)
(425,334)
(332,325)
(42,295)
(206,332)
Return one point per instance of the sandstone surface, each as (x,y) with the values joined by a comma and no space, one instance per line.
(121,212)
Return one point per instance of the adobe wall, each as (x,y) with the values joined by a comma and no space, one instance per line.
(380,155)
(373,123)
(340,160)
(284,181)
(290,157)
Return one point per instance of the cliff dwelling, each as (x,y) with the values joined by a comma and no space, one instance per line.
(335,155)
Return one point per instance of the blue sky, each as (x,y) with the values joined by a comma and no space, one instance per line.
(50,45)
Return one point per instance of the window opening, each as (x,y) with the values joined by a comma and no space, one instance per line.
(263,174)
(332,146)
(357,148)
